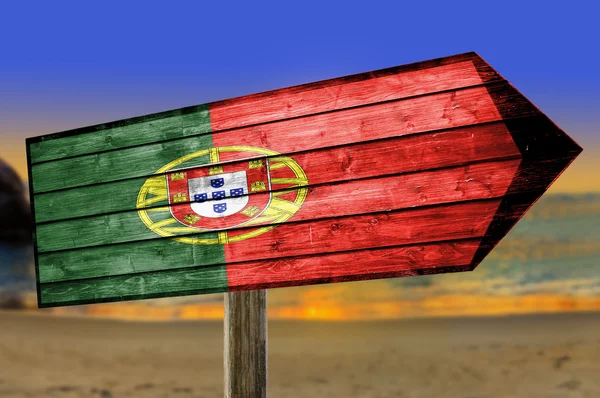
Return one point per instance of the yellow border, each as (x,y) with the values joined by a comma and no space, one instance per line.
(223,236)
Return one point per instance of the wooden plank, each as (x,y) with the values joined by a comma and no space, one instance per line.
(153,254)
(115,165)
(458,184)
(360,160)
(431,113)
(123,259)
(246,344)
(398,261)
(138,286)
(77,202)
(347,266)
(478,181)
(458,221)
(398,82)
(404,117)
(123,134)
(340,94)
(97,230)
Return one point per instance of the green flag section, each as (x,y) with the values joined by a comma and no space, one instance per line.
(411,170)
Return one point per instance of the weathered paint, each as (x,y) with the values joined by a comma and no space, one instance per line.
(405,171)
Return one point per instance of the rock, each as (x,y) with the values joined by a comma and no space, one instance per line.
(15,213)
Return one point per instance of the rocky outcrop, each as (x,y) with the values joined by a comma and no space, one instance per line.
(16,262)
(15,213)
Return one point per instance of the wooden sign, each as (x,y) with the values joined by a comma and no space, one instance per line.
(412,170)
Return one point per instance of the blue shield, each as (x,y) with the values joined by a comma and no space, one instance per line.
(218,194)
(220,207)
(217,182)
(200,197)
(236,192)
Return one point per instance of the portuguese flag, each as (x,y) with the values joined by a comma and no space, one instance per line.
(411,170)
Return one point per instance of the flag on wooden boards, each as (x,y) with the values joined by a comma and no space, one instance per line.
(412,170)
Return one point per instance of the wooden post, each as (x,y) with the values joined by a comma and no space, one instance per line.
(246,344)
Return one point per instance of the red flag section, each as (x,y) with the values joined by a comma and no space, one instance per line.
(390,142)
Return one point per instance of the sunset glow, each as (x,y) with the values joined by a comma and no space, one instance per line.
(441,306)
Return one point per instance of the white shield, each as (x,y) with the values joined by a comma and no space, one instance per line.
(219,195)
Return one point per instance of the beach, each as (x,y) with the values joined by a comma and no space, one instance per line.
(513,356)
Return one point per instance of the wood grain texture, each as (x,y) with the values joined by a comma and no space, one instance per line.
(330,96)
(401,81)
(357,265)
(245,356)
(457,221)
(123,134)
(431,113)
(130,287)
(357,197)
(397,118)
(114,165)
(290,239)
(356,161)
(123,259)
(412,170)
(361,196)
(407,260)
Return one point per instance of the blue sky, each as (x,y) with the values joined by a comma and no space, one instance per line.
(65,65)
(115,59)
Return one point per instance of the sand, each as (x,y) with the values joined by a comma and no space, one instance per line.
(525,356)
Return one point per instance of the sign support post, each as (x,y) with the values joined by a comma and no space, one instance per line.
(245,353)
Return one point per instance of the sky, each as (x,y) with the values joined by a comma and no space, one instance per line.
(65,65)
(70,64)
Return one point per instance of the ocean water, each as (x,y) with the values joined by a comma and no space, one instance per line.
(16,269)
(554,249)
